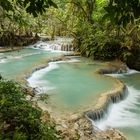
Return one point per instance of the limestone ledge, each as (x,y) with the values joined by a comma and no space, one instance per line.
(105,100)
(113,96)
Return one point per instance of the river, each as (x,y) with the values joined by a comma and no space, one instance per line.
(73,85)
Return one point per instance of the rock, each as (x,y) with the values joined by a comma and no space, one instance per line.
(76,126)
(64,125)
(110,132)
(115,135)
(59,128)
(133,61)
(74,117)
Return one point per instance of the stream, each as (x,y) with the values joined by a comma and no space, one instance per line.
(73,85)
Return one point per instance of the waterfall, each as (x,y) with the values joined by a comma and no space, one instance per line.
(62,47)
(55,45)
(101,109)
(67,47)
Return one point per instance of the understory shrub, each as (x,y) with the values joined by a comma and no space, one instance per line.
(18,119)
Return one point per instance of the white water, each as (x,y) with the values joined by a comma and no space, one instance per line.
(46,46)
(119,75)
(35,81)
(2,60)
(55,45)
(120,114)
(49,46)
(125,114)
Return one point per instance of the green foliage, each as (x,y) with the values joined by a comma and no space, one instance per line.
(122,12)
(6,4)
(16,26)
(33,7)
(100,44)
(93,36)
(18,119)
(17,19)
(99,10)
(107,39)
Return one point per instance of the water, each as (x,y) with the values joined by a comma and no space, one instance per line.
(17,63)
(57,45)
(125,115)
(73,85)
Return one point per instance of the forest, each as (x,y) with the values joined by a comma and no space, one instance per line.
(101,30)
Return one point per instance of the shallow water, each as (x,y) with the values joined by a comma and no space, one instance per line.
(17,63)
(73,85)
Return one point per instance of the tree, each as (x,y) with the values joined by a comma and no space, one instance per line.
(122,12)
(32,6)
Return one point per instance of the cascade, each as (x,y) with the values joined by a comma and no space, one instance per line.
(62,47)
(67,47)
(58,44)
(99,113)
(54,46)
(102,107)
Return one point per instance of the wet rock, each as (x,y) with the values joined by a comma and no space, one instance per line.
(74,118)
(115,135)
(76,126)
(60,129)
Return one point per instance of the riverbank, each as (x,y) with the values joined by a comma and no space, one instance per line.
(8,49)
(11,39)
(17,43)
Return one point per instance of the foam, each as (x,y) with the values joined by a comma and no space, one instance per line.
(53,46)
(36,78)
(121,114)
(119,75)
(2,60)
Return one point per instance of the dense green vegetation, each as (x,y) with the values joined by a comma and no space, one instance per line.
(93,23)
(18,26)
(102,29)
(18,119)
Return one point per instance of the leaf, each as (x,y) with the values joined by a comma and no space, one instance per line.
(51,3)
